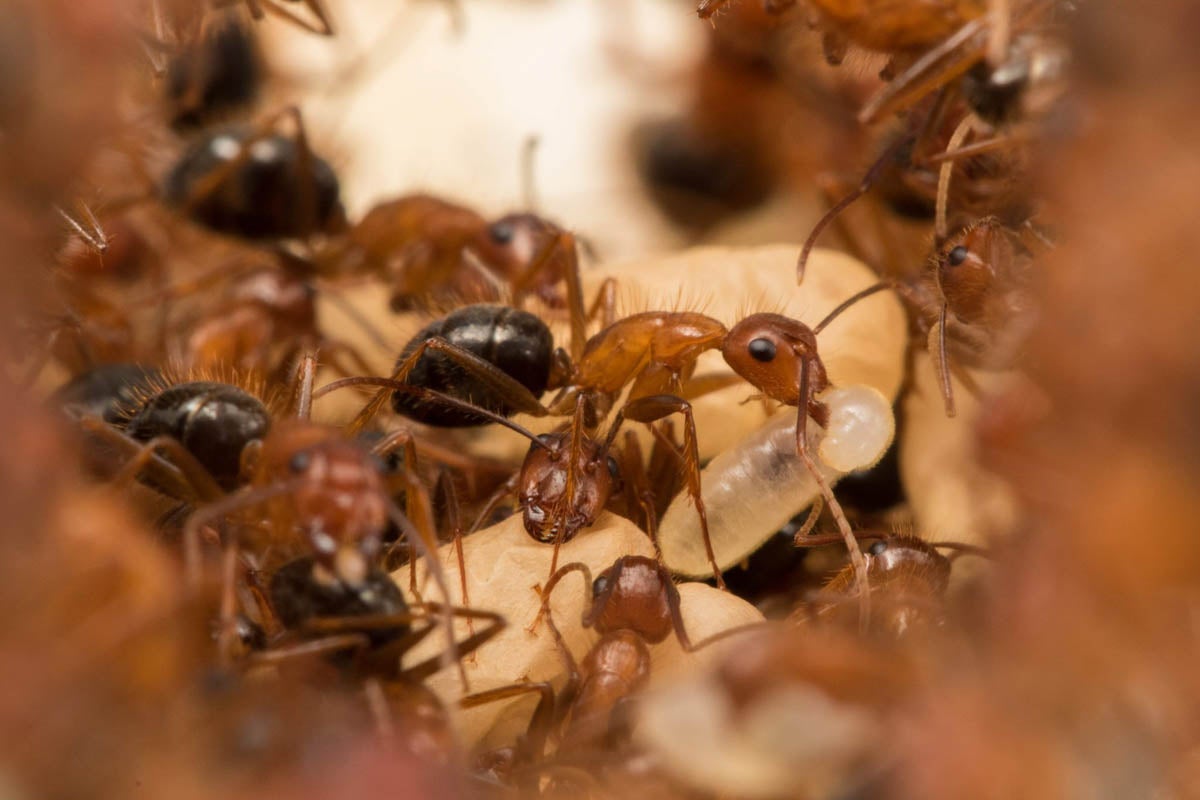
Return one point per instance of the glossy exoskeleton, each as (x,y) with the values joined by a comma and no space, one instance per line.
(215,76)
(516,342)
(302,590)
(213,421)
(265,187)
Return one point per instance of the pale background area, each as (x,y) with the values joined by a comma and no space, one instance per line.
(447,112)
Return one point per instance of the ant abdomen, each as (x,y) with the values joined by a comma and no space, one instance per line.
(516,342)
(273,193)
(213,421)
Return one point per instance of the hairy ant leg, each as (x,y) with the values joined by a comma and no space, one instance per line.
(180,468)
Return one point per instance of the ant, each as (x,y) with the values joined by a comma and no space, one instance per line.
(908,574)
(633,604)
(261,325)
(653,353)
(431,251)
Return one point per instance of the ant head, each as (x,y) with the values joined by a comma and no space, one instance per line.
(768,350)
(338,501)
(551,511)
(967,263)
(635,594)
(514,240)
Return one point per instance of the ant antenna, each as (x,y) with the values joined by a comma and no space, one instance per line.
(849,301)
(866,183)
(431,395)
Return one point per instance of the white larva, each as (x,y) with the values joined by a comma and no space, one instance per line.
(753,488)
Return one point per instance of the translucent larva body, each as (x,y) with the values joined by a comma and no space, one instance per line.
(752,489)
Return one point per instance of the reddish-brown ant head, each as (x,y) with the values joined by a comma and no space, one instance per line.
(547,503)
(339,500)
(291,301)
(967,264)
(635,594)
(768,350)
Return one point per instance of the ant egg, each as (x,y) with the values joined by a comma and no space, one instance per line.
(753,488)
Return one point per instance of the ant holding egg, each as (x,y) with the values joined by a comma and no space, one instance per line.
(652,354)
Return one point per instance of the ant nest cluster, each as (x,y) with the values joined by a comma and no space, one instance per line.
(802,432)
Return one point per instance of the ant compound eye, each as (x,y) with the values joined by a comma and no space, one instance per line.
(612,468)
(547,439)
(877,547)
(300,462)
(957,256)
(600,585)
(502,232)
(762,350)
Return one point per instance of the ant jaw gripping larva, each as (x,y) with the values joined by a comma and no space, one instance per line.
(753,488)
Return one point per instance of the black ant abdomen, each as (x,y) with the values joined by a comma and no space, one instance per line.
(272,193)
(516,342)
(213,421)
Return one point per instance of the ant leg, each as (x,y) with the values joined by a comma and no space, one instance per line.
(504,386)
(586,620)
(323,26)
(496,623)
(507,488)
(563,243)
(810,521)
(935,68)
(941,361)
(835,508)
(335,350)
(447,499)
(655,407)
(305,375)
(705,9)
(604,304)
(406,528)
(182,467)
(214,512)
(318,647)
(227,632)
(540,724)
(868,180)
(637,491)
(88,228)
